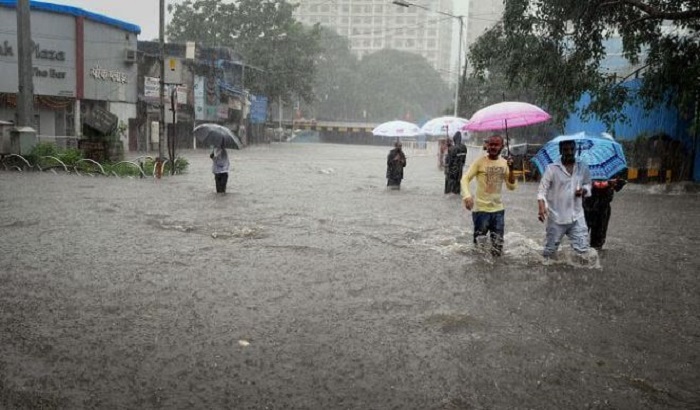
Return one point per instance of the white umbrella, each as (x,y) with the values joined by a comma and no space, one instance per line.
(444,126)
(397,129)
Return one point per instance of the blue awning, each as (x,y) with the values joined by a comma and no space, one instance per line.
(77,12)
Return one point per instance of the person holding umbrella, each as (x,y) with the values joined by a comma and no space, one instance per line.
(560,195)
(220,167)
(597,209)
(490,171)
(395,163)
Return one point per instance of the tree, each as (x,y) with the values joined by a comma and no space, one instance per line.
(396,84)
(336,82)
(555,48)
(280,50)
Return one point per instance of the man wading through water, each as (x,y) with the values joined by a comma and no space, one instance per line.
(562,188)
(491,172)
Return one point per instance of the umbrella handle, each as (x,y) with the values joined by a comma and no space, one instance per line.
(507,139)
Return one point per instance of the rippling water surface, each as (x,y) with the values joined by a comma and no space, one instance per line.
(309,285)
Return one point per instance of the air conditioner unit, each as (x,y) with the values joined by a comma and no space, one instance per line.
(130,56)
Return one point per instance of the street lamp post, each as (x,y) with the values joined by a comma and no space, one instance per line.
(403,3)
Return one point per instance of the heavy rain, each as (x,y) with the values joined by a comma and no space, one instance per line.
(288,225)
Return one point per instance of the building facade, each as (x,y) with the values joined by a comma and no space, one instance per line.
(372,25)
(83,63)
(481,16)
(203,85)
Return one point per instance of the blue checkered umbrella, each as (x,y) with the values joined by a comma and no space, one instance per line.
(603,155)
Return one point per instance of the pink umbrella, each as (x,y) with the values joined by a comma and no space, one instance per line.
(506,114)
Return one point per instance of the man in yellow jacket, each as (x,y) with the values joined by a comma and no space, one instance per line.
(490,171)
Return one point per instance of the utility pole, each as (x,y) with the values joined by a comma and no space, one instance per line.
(25,95)
(161,123)
(459,64)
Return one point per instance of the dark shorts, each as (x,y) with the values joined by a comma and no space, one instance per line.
(493,225)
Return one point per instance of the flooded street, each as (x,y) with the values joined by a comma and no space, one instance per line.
(310,286)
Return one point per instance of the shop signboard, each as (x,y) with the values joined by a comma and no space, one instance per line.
(258,109)
(101,120)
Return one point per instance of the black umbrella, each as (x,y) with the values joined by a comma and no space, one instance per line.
(214,134)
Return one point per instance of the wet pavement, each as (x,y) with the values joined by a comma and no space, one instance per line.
(310,286)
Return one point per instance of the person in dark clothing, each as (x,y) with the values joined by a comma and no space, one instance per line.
(395,163)
(454,164)
(597,209)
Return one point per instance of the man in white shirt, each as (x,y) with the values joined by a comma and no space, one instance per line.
(560,196)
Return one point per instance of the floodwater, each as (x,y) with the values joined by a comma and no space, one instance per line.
(310,286)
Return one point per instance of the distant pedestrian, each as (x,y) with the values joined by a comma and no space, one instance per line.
(491,172)
(395,163)
(454,165)
(597,209)
(562,188)
(220,167)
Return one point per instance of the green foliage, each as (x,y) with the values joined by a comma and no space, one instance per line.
(336,81)
(122,169)
(396,83)
(44,149)
(385,85)
(264,32)
(73,159)
(70,156)
(181,165)
(555,49)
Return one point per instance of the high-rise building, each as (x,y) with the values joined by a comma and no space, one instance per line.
(482,15)
(372,25)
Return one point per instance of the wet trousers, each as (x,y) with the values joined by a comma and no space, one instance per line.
(490,224)
(597,221)
(221,179)
(577,232)
(393,183)
(452,183)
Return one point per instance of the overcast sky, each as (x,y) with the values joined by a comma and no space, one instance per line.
(144,13)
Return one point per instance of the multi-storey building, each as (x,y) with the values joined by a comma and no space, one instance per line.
(372,25)
(481,16)
(84,69)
